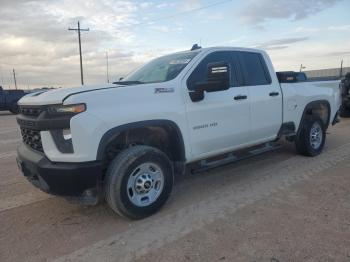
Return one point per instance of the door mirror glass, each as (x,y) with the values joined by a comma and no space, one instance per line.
(219,71)
(218,78)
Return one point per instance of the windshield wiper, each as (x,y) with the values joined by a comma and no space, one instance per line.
(128,83)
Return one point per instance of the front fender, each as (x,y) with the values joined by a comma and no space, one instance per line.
(113,133)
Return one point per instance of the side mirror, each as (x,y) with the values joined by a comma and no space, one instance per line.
(218,79)
(218,71)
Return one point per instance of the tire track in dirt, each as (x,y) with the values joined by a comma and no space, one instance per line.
(8,154)
(9,141)
(8,130)
(22,199)
(158,230)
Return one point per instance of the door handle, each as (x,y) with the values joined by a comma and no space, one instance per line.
(274,94)
(240,97)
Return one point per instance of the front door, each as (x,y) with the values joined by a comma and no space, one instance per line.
(221,121)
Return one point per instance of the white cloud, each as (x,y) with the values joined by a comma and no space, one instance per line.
(160,28)
(146,4)
(35,41)
(188,5)
(281,43)
(257,12)
(43,52)
(302,29)
(314,55)
(339,28)
(114,17)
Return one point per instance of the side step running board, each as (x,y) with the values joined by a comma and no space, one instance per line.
(205,165)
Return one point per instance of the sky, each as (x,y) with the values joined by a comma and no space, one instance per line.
(35,41)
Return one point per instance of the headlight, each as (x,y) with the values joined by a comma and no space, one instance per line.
(67,109)
(61,133)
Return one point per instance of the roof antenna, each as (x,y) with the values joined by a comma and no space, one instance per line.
(195,47)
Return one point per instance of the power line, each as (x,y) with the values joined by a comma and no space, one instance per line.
(186,12)
(341,69)
(107,65)
(2,76)
(81,59)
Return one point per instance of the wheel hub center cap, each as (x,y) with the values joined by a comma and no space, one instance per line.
(147,185)
(143,183)
(316,136)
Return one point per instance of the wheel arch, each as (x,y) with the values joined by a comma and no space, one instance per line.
(318,108)
(165,129)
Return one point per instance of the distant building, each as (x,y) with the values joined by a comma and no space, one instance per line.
(327,74)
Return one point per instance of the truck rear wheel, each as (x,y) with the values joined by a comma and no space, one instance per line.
(138,182)
(311,138)
(344,111)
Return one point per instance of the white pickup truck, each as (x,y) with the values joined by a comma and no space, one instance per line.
(125,141)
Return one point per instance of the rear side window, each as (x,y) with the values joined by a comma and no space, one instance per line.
(254,69)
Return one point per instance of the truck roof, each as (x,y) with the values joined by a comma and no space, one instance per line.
(223,48)
(214,48)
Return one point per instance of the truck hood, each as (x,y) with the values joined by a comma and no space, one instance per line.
(57,96)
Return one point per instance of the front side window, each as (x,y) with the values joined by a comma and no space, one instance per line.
(199,74)
(161,69)
(254,69)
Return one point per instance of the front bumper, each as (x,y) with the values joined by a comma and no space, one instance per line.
(65,179)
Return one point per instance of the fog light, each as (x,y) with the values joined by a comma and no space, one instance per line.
(67,135)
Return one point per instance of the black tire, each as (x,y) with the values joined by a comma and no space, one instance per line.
(123,167)
(303,142)
(14,109)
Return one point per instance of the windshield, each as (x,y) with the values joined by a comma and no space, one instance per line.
(161,69)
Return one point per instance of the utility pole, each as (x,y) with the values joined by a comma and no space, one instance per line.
(2,79)
(81,59)
(301,67)
(14,78)
(341,69)
(107,67)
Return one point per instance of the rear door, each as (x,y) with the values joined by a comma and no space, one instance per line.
(221,120)
(265,96)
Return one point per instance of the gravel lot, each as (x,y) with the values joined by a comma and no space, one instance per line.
(275,207)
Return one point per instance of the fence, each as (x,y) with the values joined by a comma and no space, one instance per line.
(327,74)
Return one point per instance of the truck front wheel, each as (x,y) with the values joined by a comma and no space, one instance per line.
(311,138)
(138,182)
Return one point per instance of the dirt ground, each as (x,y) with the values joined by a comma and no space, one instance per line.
(275,207)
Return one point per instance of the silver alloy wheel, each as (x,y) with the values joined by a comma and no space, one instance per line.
(145,184)
(316,136)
